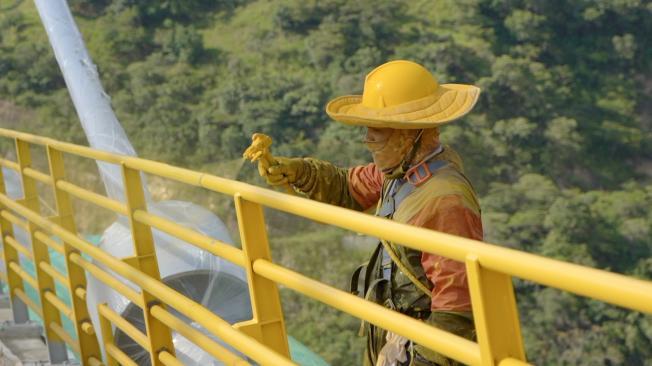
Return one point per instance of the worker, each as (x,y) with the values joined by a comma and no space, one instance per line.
(413,179)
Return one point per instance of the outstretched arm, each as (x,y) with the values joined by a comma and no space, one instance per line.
(317,179)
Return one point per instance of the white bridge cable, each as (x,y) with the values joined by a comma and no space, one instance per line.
(209,280)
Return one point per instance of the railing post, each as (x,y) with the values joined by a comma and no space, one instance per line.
(495,313)
(267,325)
(86,338)
(18,307)
(158,333)
(107,336)
(51,315)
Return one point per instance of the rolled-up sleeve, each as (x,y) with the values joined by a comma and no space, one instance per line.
(365,185)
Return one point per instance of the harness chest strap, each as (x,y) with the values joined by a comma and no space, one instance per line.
(392,198)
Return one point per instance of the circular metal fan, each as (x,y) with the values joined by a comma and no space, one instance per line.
(224,294)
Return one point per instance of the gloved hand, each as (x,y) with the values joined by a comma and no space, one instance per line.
(393,352)
(282,170)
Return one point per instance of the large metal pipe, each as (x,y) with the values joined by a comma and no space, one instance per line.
(93,105)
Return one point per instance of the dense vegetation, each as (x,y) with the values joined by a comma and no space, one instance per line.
(559,147)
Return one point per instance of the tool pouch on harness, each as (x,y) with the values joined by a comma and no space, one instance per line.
(368,282)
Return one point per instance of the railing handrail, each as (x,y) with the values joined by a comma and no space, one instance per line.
(609,287)
(489,265)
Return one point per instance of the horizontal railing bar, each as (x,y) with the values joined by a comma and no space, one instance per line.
(80,292)
(92,361)
(88,328)
(599,284)
(19,247)
(201,241)
(39,176)
(59,331)
(78,150)
(120,356)
(512,362)
(602,285)
(164,170)
(92,197)
(43,238)
(27,301)
(213,348)
(213,323)
(122,324)
(24,275)
(10,164)
(108,279)
(14,219)
(52,272)
(609,287)
(168,359)
(449,344)
(64,309)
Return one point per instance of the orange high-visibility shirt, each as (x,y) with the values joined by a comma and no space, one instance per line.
(445,203)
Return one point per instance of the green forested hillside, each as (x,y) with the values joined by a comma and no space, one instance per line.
(559,146)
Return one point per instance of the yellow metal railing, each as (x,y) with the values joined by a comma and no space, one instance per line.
(263,339)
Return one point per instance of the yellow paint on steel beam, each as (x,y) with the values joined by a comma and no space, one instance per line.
(159,336)
(122,324)
(81,293)
(15,267)
(422,333)
(107,337)
(210,346)
(108,279)
(76,278)
(19,247)
(49,242)
(54,273)
(14,219)
(512,362)
(495,314)
(64,309)
(168,359)
(27,301)
(38,176)
(491,266)
(88,328)
(267,324)
(40,253)
(91,197)
(10,254)
(9,164)
(92,361)
(63,335)
(204,242)
(204,317)
(120,356)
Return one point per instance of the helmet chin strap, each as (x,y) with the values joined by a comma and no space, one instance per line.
(402,168)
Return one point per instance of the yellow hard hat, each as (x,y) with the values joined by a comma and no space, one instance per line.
(404,95)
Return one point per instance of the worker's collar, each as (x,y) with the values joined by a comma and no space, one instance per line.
(401,169)
(438,150)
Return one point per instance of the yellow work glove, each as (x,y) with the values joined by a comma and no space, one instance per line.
(282,171)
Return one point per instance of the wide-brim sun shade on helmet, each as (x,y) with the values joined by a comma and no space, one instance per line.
(404,95)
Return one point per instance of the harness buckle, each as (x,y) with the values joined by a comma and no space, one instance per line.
(417,175)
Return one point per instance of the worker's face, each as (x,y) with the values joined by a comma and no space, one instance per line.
(388,146)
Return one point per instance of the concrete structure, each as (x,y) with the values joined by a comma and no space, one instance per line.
(20,344)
